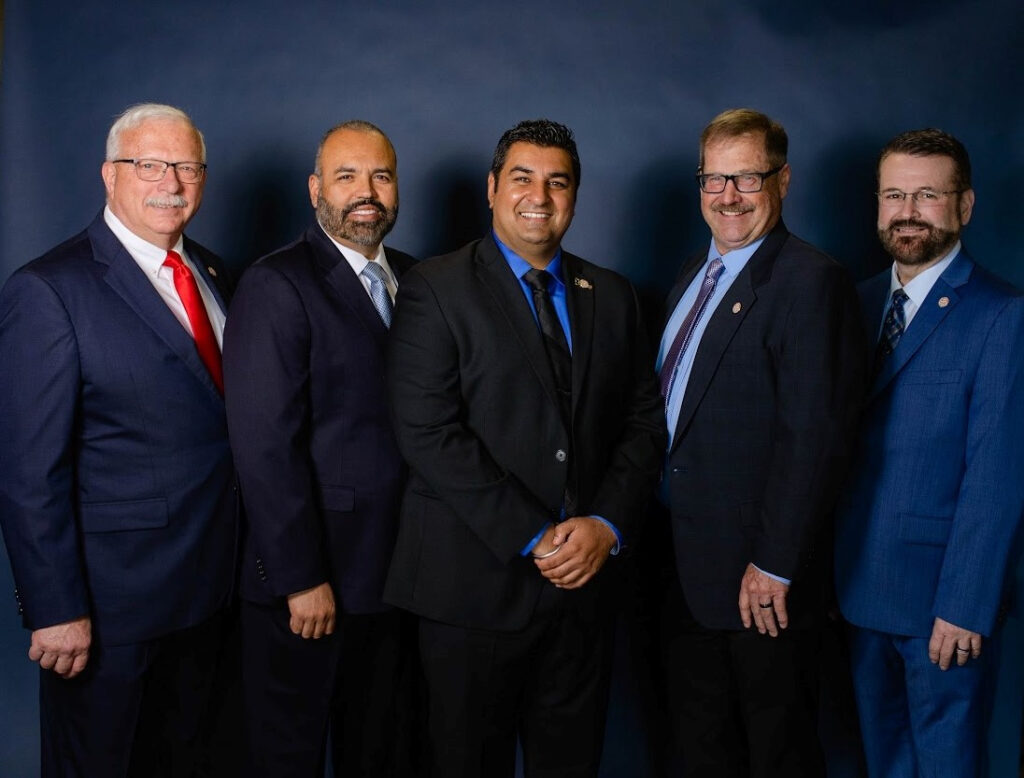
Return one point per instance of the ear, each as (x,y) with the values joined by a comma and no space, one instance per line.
(966,206)
(108,172)
(783,180)
(490,190)
(314,188)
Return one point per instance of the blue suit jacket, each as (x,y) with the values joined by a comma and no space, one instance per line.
(937,492)
(117,495)
(319,467)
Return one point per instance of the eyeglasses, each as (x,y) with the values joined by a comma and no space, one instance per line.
(155,169)
(747,183)
(922,197)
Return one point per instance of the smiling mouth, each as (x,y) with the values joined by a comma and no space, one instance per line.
(534,215)
(732,211)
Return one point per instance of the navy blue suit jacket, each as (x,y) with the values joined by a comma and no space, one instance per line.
(937,492)
(117,494)
(317,460)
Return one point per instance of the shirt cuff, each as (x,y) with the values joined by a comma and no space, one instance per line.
(536,539)
(778,578)
(618,535)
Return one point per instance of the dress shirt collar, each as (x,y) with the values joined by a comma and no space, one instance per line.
(919,286)
(357,261)
(736,260)
(520,266)
(148,256)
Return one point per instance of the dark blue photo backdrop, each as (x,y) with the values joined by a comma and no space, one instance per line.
(637,82)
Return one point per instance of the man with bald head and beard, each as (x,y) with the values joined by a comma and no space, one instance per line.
(320,472)
(926,527)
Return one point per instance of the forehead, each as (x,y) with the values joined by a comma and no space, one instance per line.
(344,148)
(910,172)
(164,138)
(545,160)
(741,153)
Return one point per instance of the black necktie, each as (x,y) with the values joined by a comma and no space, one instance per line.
(560,359)
(555,343)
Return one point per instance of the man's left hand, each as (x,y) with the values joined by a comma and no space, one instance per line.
(584,545)
(949,640)
(763,602)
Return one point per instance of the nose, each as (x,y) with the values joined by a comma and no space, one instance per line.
(170,182)
(908,207)
(730,194)
(538,192)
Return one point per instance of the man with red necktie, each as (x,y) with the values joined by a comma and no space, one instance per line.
(117,494)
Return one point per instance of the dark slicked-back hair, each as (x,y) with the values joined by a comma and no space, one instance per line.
(931,142)
(539,132)
(743,121)
(359,125)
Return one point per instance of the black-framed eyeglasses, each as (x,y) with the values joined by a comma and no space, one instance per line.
(747,183)
(156,169)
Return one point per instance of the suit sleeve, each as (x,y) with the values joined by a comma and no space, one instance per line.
(819,378)
(639,453)
(430,425)
(266,374)
(38,408)
(991,498)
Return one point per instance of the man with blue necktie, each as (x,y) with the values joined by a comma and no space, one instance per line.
(760,375)
(925,532)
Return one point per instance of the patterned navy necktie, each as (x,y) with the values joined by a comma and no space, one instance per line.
(670,366)
(892,328)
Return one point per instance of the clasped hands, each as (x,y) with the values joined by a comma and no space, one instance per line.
(581,546)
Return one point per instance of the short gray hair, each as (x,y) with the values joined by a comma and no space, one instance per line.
(135,115)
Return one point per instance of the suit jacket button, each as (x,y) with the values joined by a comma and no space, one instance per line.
(560,455)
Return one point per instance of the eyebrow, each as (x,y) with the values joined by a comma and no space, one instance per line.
(523,169)
(350,169)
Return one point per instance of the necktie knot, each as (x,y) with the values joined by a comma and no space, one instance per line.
(175,262)
(715,269)
(537,280)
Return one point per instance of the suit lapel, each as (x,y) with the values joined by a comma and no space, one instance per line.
(126,278)
(504,288)
(725,321)
(579,294)
(942,299)
(338,275)
(213,281)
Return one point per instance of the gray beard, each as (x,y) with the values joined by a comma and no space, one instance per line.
(335,222)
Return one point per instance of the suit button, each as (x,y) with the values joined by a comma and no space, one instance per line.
(560,455)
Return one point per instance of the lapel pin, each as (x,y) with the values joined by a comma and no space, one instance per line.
(943,302)
(582,283)
(736,307)
(211,271)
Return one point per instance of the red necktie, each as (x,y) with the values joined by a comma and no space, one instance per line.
(202,330)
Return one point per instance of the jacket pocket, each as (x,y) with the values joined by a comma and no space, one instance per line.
(926,530)
(931,377)
(338,498)
(124,515)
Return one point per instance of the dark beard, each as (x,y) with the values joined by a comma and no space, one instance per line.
(917,250)
(335,222)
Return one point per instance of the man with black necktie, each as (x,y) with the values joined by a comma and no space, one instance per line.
(760,367)
(117,489)
(525,404)
(321,475)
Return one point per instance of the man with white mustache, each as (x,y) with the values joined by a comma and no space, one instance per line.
(321,476)
(117,489)
(924,537)
(760,367)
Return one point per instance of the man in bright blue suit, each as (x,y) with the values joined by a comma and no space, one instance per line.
(926,529)
(117,494)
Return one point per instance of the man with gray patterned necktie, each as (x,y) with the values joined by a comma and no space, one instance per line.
(320,473)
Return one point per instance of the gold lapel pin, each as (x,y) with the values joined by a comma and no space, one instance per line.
(583,283)
(943,302)
(736,307)
(211,271)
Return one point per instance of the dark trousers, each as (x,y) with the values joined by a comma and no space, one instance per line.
(741,703)
(140,709)
(546,685)
(295,691)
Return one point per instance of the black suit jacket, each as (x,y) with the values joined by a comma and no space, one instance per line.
(477,418)
(307,409)
(763,434)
